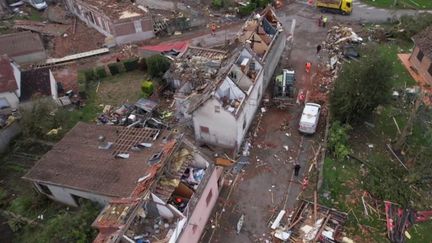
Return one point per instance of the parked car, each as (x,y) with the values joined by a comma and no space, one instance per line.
(38,4)
(309,118)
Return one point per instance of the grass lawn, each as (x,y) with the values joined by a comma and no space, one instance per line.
(60,223)
(346,181)
(121,88)
(416,4)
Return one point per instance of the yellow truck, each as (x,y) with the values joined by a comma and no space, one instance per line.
(337,6)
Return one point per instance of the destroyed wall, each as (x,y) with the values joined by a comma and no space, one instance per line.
(69,196)
(122,29)
(273,55)
(422,64)
(198,219)
(208,128)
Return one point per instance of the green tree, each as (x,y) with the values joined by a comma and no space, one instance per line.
(157,65)
(361,86)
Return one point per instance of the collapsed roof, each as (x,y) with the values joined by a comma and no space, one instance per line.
(424,41)
(104,160)
(229,77)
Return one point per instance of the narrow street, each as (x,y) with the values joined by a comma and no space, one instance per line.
(268,185)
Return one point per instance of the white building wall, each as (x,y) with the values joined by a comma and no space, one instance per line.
(64,195)
(53,85)
(250,107)
(11,98)
(222,125)
(17,75)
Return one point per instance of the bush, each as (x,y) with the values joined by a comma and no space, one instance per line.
(142,64)
(89,75)
(157,65)
(100,72)
(114,68)
(217,4)
(131,64)
(338,140)
(247,10)
(147,88)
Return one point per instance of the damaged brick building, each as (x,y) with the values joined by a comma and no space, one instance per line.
(123,21)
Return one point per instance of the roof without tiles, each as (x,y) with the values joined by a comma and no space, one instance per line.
(424,41)
(77,162)
(117,10)
(7,78)
(21,43)
(35,82)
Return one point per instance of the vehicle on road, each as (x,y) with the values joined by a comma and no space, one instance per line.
(335,6)
(284,85)
(309,118)
(38,4)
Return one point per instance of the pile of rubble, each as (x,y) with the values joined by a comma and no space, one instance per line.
(338,40)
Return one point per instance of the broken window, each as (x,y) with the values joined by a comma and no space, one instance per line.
(204,129)
(420,55)
(430,69)
(209,197)
(44,189)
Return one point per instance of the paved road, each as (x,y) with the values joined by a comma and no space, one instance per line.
(366,13)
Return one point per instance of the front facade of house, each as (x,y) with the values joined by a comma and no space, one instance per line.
(125,23)
(69,196)
(218,123)
(422,63)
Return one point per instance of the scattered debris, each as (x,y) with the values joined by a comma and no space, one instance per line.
(240,223)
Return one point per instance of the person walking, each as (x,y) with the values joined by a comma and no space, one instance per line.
(308,67)
(213,29)
(318,49)
(320,20)
(296,169)
(324,21)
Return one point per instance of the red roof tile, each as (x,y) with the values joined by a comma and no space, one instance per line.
(7,78)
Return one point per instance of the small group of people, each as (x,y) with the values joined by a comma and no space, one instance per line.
(322,21)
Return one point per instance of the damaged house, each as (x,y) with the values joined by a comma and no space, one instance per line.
(221,93)
(172,201)
(123,21)
(153,183)
(421,56)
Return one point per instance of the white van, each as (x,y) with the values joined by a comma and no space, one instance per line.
(309,118)
(38,4)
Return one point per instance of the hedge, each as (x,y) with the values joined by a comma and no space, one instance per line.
(114,68)
(131,64)
(100,72)
(89,75)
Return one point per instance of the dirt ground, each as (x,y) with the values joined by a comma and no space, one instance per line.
(267,185)
(84,39)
